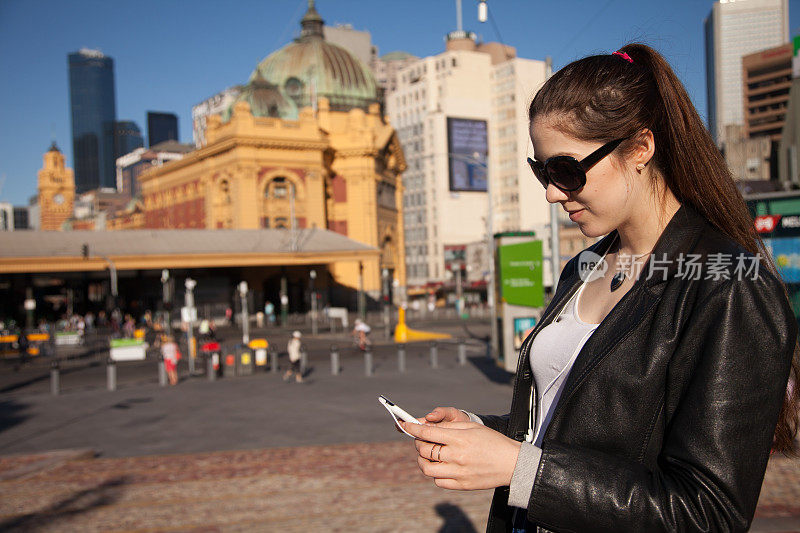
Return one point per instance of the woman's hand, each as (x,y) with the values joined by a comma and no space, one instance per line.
(464,455)
(445,414)
(441,414)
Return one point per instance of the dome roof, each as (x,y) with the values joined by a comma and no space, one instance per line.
(312,66)
(265,99)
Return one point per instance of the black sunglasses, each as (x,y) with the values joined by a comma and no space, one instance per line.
(566,172)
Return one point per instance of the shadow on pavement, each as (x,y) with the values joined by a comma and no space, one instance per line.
(455,520)
(45,376)
(78,503)
(490,369)
(11,414)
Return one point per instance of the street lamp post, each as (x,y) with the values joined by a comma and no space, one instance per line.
(245,317)
(313,276)
(361,306)
(284,301)
(385,285)
(30,307)
(112,269)
(166,299)
(190,284)
(459,291)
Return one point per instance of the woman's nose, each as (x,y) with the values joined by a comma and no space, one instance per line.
(554,195)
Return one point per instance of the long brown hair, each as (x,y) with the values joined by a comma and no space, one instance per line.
(605,97)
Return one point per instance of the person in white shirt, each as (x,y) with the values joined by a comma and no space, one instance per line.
(293,347)
(361,332)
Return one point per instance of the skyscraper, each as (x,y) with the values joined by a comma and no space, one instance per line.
(127,137)
(161,127)
(93,105)
(733,29)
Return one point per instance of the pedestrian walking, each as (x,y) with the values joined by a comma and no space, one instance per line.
(650,393)
(293,347)
(171,354)
(361,331)
(269,310)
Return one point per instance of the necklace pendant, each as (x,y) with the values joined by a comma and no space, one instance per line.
(617,280)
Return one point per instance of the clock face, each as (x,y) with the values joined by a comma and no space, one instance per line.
(58,199)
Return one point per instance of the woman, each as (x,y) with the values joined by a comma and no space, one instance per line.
(171,354)
(643,401)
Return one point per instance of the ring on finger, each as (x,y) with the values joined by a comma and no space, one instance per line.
(431,454)
(439,454)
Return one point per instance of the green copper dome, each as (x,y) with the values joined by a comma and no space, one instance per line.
(265,99)
(311,66)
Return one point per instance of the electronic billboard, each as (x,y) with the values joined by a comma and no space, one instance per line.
(467,153)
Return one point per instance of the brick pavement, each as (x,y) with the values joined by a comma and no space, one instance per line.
(346,487)
(296,480)
(359,487)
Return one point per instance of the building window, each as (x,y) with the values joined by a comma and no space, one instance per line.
(280,188)
(224,189)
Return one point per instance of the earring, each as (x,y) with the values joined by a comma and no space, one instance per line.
(640,167)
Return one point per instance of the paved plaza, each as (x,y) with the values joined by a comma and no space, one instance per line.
(254,453)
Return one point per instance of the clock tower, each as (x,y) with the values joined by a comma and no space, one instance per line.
(56,190)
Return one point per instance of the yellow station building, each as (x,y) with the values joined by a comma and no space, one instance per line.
(304,147)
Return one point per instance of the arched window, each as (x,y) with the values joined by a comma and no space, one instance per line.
(225,191)
(280,204)
(223,205)
(280,188)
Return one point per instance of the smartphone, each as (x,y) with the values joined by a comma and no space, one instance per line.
(398,412)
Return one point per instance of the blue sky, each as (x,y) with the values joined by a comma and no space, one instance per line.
(171,54)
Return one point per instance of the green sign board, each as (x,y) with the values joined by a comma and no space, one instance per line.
(521,280)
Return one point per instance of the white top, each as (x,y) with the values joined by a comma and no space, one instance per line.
(293,347)
(553,352)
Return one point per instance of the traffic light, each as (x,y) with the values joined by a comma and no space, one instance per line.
(85,250)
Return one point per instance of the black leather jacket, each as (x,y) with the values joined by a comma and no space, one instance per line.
(666,419)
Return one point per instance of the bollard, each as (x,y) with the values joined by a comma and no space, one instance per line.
(210,370)
(368,361)
(162,372)
(334,360)
(55,378)
(245,360)
(462,352)
(229,364)
(111,374)
(401,358)
(273,361)
(434,355)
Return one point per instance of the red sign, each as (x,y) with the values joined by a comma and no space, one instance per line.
(766,223)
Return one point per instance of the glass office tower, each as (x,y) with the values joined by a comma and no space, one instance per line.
(93,105)
(161,127)
(128,137)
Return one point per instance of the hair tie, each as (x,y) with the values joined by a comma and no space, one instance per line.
(624,56)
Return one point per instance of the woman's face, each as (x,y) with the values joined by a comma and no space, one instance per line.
(605,202)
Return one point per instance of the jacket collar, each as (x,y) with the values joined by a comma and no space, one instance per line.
(679,236)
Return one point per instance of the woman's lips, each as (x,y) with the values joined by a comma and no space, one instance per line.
(573,215)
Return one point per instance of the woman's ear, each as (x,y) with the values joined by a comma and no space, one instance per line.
(645,149)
